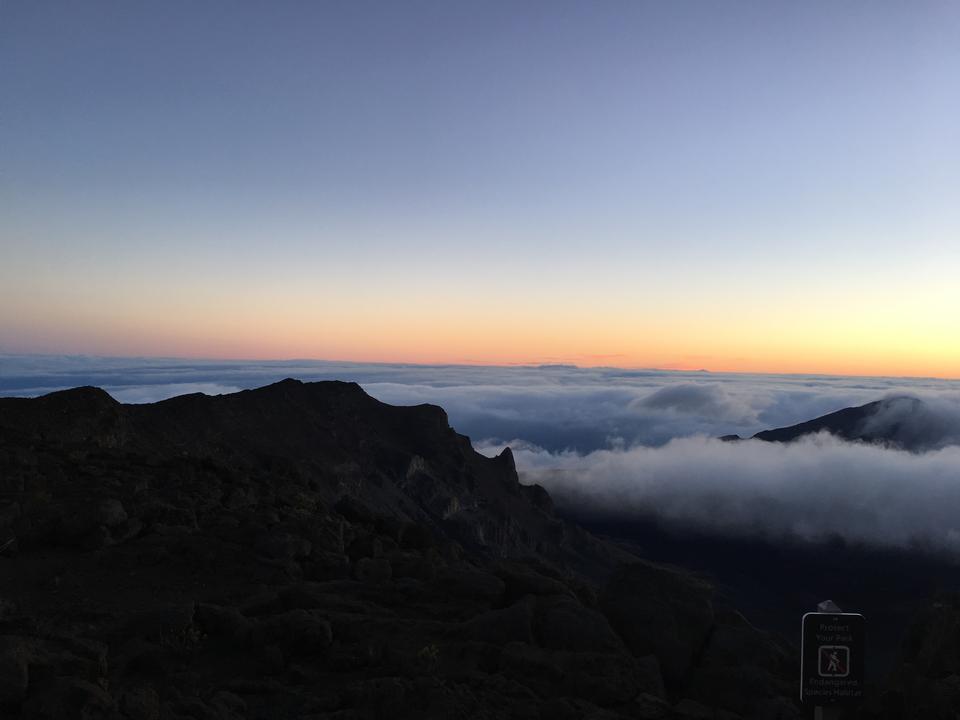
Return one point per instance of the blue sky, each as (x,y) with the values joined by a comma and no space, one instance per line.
(176,177)
(212,113)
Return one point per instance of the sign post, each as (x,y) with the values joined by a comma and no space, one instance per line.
(832,659)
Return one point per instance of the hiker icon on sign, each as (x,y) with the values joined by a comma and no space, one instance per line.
(834,661)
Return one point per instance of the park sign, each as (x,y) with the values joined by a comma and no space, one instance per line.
(832,658)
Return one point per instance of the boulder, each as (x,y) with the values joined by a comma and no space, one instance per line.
(9,513)
(779,708)
(562,623)
(567,708)
(531,666)
(927,682)
(468,582)
(605,678)
(110,513)
(741,667)
(421,566)
(660,611)
(538,497)
(500,627)
(282,546)
(413,536)
(688,709)
(381,698)
(14,670)
(140,703)
(223,622)
(8,608)
(160,624)
(520,579)
(228,704)
(127,530)
(293,631)
(365,546)
(648,707)
(354,510)
(69,699)
(161,512)
(97,538)
(375,571)
(324,565)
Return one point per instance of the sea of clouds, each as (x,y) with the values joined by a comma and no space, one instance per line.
(634,443)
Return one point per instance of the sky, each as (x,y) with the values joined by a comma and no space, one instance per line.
(635,444)
(735,186)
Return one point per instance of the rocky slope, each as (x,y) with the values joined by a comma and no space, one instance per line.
(927,683)
(305,551)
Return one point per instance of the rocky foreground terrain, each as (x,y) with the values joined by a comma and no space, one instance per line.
(305,551)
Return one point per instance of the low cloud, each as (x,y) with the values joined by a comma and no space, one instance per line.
(148,393)
(926,423)
(812,489)
(708,400)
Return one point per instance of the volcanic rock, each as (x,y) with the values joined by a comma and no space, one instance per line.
(305,551)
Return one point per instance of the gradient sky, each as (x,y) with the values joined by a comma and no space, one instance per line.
(752,186)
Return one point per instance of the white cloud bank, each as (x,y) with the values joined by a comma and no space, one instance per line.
(811,489)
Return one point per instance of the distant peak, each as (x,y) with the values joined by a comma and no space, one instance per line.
(294,385)
(85,395)
(287,382)
(903,421)
(506,457)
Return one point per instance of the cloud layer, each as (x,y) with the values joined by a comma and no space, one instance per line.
(812,489)
(554,407)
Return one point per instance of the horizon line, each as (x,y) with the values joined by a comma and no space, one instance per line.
(533,365)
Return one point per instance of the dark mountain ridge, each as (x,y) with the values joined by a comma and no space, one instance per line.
(902,422)
(305,551)
(404,461)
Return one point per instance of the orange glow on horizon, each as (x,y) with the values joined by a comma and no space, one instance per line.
(395,324)
(480,349)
